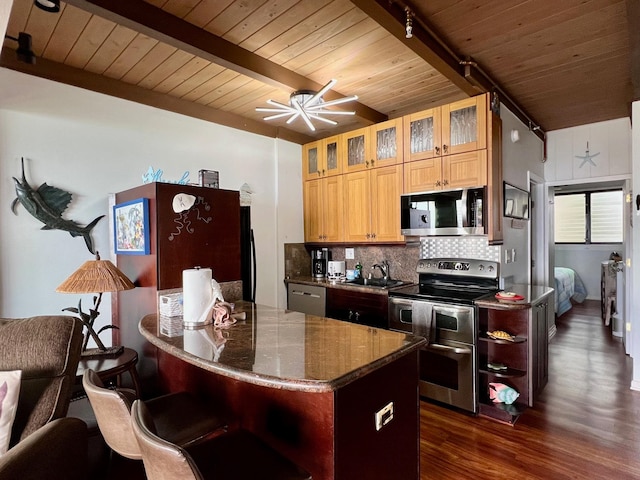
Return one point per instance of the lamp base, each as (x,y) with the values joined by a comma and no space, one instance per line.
(107,352)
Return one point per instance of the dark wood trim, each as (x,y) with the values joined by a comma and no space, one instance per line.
(391,17)
(633,17)
(424,43)
(156,23)
(90,81)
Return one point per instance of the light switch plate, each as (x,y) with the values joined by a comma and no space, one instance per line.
(349,253)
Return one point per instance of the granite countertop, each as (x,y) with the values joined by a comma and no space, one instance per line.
(531,293)
(284,349)
(324,282)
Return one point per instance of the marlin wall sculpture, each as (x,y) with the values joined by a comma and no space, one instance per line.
(47,204)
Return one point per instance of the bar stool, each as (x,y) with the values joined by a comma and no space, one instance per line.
(234,455)
(180,417)
(610,309)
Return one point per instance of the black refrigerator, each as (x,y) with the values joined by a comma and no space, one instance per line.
(247,256)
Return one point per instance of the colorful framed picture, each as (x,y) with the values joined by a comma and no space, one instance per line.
(131,227)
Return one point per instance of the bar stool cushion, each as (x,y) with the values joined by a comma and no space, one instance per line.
(180,417)
(237,455)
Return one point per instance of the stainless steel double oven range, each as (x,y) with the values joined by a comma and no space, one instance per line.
(444,298)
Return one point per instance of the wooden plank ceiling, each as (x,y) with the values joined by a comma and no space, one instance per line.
(560,63)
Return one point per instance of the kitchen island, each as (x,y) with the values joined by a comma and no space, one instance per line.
(339,399)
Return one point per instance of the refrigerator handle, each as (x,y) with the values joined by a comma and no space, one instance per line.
(253,261)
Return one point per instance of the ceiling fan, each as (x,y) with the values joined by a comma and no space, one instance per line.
(309,105)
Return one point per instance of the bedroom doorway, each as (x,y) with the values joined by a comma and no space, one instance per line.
(586,255)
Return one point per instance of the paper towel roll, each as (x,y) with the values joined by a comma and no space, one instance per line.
(196,293)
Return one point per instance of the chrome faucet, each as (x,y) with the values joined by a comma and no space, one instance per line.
(384,269)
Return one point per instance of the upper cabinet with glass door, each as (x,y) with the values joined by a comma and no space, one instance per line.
(372,147)
(464,125)
(322,158)
(455,128)
(422,132)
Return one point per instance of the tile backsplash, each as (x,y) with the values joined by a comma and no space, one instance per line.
(402,258)
(459,247)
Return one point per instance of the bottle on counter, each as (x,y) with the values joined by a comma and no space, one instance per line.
(358,270)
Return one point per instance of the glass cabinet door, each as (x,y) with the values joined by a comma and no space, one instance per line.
(356,144)
(464,125)
(422,138)
(311,167)
(386,144)
(332,156)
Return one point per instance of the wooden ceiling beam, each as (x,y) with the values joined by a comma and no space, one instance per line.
(98,83)
(463,73)
(391,16)
(633,19)
(162,26)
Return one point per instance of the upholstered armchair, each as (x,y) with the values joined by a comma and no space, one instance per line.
(46,349)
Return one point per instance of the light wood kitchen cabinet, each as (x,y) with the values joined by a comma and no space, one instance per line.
(422,135)
(464,125)
(372,207)
(453,171)
(371,147)
(322,158)
(454,128)
(323,210)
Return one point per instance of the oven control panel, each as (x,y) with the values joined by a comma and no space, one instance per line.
(459,266)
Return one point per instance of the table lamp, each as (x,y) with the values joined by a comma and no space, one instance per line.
(95,276)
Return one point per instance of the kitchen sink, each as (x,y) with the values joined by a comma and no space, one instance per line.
(375,282)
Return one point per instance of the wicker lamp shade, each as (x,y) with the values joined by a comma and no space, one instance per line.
(96,276)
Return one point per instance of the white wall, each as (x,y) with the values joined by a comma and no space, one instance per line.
(518,159)
(586,261)
(93,145)
(634,278)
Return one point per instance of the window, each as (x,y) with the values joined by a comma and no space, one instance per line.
(589,217)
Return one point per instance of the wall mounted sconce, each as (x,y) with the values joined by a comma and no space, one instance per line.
(48,5)
(24,52)
(409,25)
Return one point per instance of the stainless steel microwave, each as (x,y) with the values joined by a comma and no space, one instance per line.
(460,211)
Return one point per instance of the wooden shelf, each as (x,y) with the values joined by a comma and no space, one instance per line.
(508,373)
(518,339)
(502,412)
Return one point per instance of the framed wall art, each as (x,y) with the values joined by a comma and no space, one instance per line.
(131,227)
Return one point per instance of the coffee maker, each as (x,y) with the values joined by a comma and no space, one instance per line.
(319,262)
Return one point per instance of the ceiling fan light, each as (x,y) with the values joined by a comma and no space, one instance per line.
(48,5)
(309,105)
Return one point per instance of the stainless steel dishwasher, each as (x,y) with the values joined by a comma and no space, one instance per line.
(309,299)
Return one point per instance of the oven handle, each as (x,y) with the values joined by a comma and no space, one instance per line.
(459,350)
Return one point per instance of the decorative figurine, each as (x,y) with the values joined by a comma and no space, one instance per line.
(47,204)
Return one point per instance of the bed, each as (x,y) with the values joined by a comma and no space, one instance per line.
(569,287)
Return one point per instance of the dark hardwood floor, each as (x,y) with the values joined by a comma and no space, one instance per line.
(586,423)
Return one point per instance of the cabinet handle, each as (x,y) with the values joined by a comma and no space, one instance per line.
(437,183)
(323,172)
(366,163)
(319,174)
(437,150)
(445,182)
(350,314)
(372,163)
(357,316)
(373,235)
(445,149)
(368,235)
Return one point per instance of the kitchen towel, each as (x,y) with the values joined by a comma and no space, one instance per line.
(197,294)
(422,320)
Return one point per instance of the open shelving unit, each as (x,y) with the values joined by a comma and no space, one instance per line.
(513,355)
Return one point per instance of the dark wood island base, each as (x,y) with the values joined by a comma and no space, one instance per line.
(311,387)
